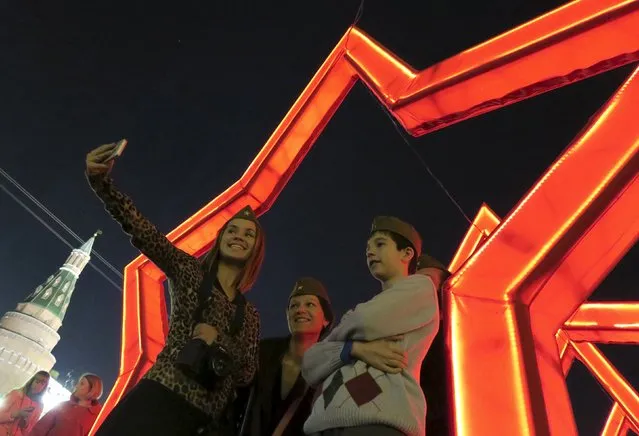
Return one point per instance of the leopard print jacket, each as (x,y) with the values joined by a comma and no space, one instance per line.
(185,275)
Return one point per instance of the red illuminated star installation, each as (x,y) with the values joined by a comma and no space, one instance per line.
(610,323)
(516,308)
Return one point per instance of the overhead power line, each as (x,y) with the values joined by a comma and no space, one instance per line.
(60,237)
(56,219)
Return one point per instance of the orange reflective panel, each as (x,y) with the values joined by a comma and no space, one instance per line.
(515,284)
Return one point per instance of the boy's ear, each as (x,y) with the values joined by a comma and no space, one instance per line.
(409,253)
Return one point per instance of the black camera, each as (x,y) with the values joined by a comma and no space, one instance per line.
(204,363)
(219,360)
(207,364)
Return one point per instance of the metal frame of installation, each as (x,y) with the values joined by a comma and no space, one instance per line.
(517,309)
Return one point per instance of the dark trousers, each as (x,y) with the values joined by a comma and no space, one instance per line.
(151,409)
(362,430)
(438,427)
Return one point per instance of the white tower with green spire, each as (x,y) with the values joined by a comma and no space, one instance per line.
(30,332)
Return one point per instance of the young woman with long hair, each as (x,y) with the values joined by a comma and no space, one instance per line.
(76,416)
(213,337)
(21,408)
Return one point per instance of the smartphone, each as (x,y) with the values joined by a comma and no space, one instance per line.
(119,149)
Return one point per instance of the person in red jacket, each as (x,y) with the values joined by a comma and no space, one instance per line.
(76,416)
(21,408)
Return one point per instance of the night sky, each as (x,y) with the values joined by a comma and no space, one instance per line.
(198,86)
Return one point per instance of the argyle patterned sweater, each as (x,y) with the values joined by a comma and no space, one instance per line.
(356,394)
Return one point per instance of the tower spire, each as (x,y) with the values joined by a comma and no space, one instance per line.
(50,300)
(88,245)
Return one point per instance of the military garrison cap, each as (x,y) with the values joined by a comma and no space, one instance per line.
(395,225)
(246,213)
(311,286)
(428,261)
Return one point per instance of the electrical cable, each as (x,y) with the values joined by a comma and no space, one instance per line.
(57,220)
(56,234)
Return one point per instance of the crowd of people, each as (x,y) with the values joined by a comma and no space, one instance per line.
(21,409)
(214,376)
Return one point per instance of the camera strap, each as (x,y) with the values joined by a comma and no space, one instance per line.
(208,283)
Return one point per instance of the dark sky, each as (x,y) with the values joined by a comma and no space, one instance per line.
(198,86)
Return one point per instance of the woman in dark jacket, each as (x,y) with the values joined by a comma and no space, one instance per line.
(281,400)
(435,380)
(212,343)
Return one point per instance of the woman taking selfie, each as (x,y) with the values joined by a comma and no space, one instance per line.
(76,416)
(21,408)
(212,343)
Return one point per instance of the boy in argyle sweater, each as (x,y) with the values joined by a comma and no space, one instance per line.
(369,365)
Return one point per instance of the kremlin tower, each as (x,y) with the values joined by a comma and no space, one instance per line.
(30,332)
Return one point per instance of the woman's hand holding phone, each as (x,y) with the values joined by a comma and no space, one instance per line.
(101,159)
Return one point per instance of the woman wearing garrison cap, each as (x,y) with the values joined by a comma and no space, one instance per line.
(212,342)
(281,400)
(376,393)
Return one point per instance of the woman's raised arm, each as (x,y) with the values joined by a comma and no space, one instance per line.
(144,235)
